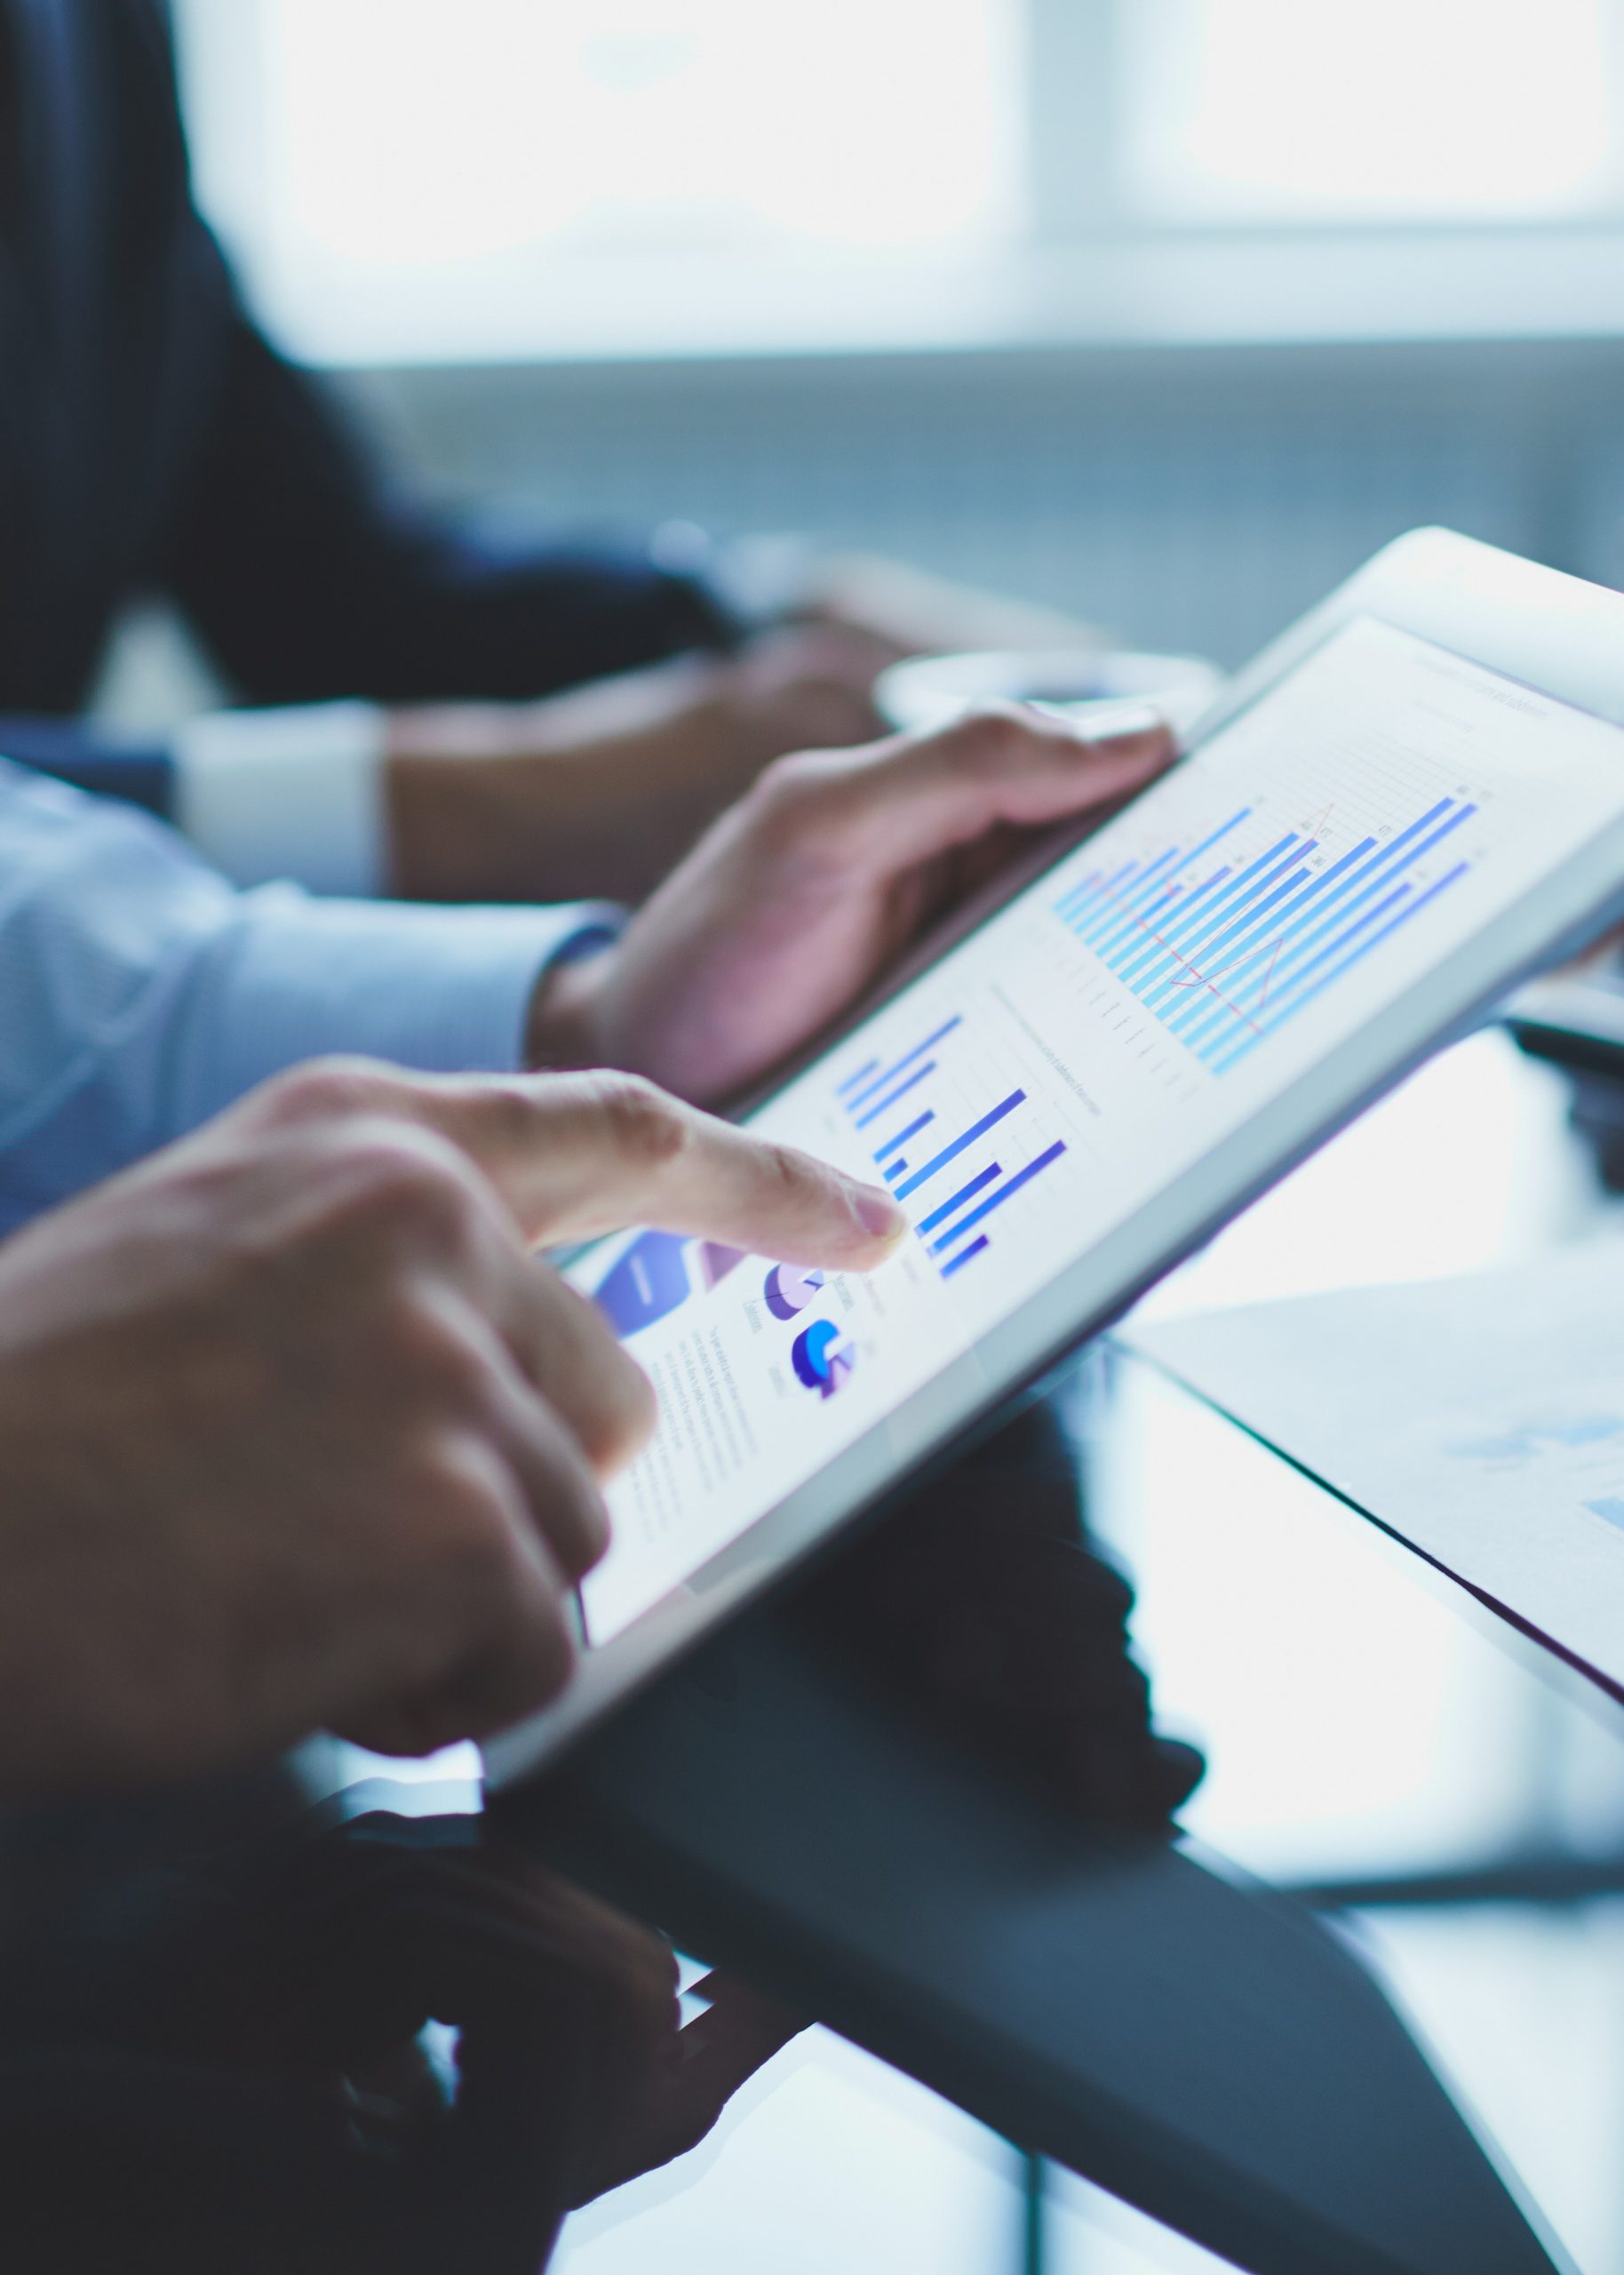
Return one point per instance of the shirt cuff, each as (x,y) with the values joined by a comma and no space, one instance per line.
(294,794)
(447,991)
(755,581)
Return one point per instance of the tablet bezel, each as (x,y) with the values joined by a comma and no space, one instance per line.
(1555,634)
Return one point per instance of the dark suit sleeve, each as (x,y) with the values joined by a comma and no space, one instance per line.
(309,581)
(142,775)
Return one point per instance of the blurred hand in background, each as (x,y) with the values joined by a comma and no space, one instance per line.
(598,793)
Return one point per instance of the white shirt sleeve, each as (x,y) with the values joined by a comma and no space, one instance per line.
(140,995)
(756,580)
(293,794)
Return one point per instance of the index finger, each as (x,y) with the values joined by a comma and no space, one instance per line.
(574,1155)
(613,1150)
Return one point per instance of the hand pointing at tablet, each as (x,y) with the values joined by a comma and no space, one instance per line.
(297,1432)
(805,893)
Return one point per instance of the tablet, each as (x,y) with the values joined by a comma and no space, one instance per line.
(1406,805)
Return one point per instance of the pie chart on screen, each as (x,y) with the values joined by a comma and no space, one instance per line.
(789,1290)
(824,1359)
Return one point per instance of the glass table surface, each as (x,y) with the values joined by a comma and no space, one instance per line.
(1450,1793)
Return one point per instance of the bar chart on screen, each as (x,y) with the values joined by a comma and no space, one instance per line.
(959,1163)
(1225,941)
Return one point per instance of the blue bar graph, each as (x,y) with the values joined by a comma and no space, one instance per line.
(863,1092)
(964,1193)
(1414,908)
(1094,899)
(1238,962)
(1210,940)
(1225,957)
(1162,953)
(1080,894)
(894,1145)
(950,1153)
(1374,881)
(1141,916)
(910,1082)
(1006,1192)
(1174,923)
(894,1094)
(1149,885)
(1216,1012)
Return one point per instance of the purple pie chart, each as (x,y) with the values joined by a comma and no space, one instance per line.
(789,1289)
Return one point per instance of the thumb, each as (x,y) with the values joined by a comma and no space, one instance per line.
(882,810)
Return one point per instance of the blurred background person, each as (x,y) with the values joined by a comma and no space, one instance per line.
(153,440)
(1165,316)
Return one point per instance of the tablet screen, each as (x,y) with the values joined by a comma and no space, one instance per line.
(1087,1044)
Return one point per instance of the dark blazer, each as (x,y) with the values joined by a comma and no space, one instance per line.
(152,441)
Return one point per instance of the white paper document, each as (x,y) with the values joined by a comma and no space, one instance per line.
(1481,1419)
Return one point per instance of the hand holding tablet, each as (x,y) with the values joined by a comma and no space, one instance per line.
(1410,800)
(809,889)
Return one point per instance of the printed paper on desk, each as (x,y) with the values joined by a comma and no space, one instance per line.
(1481,1419)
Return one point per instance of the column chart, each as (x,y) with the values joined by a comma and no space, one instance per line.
(1227,942)
(904,1107)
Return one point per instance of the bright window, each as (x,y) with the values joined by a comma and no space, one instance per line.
(454,179)
(411,133)
(1299,111)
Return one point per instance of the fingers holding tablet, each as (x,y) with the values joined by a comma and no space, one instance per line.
(885,808)
(804,895)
